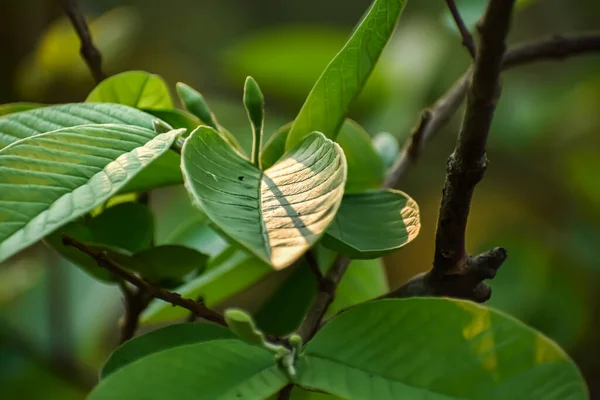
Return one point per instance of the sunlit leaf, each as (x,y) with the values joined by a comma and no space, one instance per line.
(329,101)
(137,89)
(227,274)
(216,369)
(365,168)
(163,339)
(424,347)
(51,179)
(372,224)
(276,214)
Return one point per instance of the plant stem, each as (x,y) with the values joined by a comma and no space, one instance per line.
(467,38)
(104,261)
(88,50)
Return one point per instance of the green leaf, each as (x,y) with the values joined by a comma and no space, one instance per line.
(217,369)
(276,214)
(137,89)
(435,348)
(163,264)
(365,168)
(162,172)
(373,224)
(388,148)
(301,394)
(254,102)
(128,226)
(194,102)
(227,274)
(51,179)
(24,124)
(163,339)
(12,108)
(329,101)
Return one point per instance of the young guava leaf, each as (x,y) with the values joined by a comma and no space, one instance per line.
(215,369)
(229,273)
(136,89)
(194,102)
(424,347)
(278,213)
(254,102)
(242,324)
(162,339)
(25,124)
(51,179)
(329,100)
(12,108)
(365,167)
(373,224)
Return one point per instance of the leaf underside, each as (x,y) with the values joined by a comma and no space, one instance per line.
(276,214)
(49,180)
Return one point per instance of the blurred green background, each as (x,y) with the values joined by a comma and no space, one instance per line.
(540,198)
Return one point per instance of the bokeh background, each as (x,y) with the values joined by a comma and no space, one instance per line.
(540,198)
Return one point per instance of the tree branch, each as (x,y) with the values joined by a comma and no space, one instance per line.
(467,164)
(104,261)
(88,50)
(467,38)
(325,295)
(558,47)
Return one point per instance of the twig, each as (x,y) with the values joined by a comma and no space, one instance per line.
(104,261)
(557,47)
(327,286)
(88,50)
(467,164)
(136,302)
(467,38)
